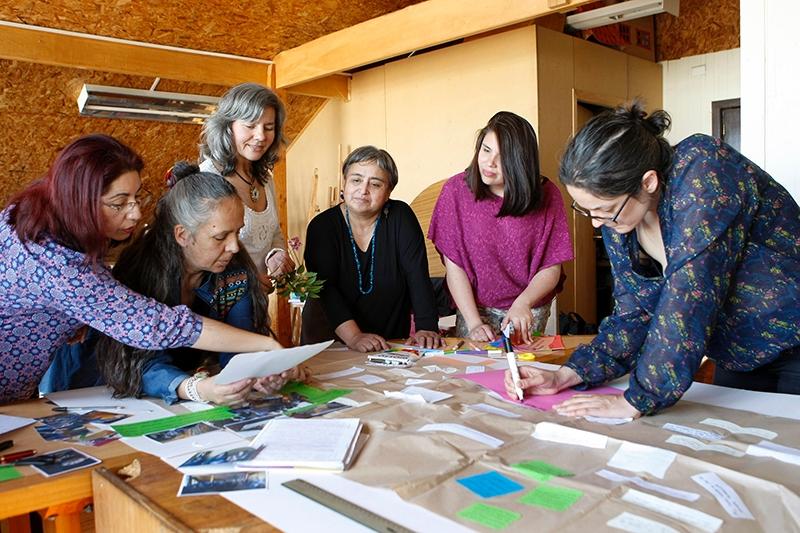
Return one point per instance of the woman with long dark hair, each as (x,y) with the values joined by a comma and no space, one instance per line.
(502,232)
(189,256)
(706,260)
(53,237)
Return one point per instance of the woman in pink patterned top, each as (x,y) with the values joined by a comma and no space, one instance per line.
(501,229)
(53,237)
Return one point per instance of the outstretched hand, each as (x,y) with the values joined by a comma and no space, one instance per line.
(426,339)
(610,406)
(228,394)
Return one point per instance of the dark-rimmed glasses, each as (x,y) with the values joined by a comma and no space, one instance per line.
(143,200)
(585,212)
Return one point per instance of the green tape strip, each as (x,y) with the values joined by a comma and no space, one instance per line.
(171,422)
(313,394)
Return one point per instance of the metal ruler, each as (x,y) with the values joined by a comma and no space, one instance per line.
(344,507)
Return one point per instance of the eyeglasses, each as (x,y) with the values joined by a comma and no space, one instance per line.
(585,212)
(126,207)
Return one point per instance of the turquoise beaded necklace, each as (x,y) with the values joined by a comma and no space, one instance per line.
(361,288)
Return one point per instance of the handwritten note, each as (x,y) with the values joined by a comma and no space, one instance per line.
(725,495)
(692,432)
(776,451)
(491,409)
(430,396)
(552,497)
(464,431)
(655,487)
(637,524)
(700,446)
(490,516)
(735,428)
(567,435)
(340,374)
(687,515)
(641,458)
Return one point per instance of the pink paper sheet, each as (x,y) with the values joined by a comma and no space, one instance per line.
(493,380)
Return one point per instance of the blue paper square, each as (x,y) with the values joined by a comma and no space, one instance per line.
(490,484)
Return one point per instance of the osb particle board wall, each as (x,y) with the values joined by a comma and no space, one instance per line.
(39,115)
(703,26)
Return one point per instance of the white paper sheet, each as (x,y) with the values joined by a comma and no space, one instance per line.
(567,435)
(687,515)
(409,398)
(655,487)
(491,409)
(198,443)
(700,446)
(638,524)
(724,494)
(91,397)
(450,370)
(430,396)
(735,428)
(464,431)
(9,423)
(640,458)
(692,432)
(476,369)
(415,381)
(368,379)
(432,368)
(607,421)
(406,373)
(776,451)
(258,364)
(340,374)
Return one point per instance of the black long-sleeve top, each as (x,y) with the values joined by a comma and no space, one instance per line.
(401,281)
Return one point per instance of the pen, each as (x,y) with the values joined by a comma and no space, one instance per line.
(458,345)
(512,360)
(6,444)
(14,457)
(87,408)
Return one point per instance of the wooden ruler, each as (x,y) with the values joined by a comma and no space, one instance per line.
(344,507)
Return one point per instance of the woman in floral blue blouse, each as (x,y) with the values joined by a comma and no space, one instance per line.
(705,252)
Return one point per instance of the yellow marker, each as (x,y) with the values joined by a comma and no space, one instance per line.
(526,356)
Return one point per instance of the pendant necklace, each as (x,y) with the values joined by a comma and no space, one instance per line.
(254,193)
(361,288)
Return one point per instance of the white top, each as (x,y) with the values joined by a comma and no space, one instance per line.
(262,231)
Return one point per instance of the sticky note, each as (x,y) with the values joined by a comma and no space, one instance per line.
(540,471)
(489,515)
(490,484)
(552,497)
(7,473)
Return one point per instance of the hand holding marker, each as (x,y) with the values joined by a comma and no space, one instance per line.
(512,358)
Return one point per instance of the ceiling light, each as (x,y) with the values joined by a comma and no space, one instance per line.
(632,9)
(118,102)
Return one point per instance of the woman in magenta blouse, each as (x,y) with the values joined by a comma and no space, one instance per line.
(501,229)
(53,237)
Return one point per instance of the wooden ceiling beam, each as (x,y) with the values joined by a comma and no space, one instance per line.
(333,86)
(416,27)
(48,46)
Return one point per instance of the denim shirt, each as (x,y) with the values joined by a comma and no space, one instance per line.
(165,372)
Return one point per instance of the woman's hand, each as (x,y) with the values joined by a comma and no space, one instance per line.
(230,394)
(605,405)
(279,263)
(519,315)
(537,382)
(426,339)
(269,385)
(482,332)
(367,342)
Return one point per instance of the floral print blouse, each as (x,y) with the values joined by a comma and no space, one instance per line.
(730,291)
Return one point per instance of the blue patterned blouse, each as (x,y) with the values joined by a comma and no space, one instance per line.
(731,289)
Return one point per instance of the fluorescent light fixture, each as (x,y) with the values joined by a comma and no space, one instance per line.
(118,102)
(632,9)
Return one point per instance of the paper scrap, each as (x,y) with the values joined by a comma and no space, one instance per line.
(432,368)
(313,394)
(566,435)
(258,364)
(430,396)
(369,379)
(410,398)
(491,409)
(404,372)
(700,446)
(725,495)
(464,431)
(488,515)
(776,451)
(640,458)
(7,473)
(692,432)
(735,428)
(607,421)
(552,497)
(415,381)
(638,524)
(340,374)
(655,487)
(490,484)
(540,470)
(171,422)
(681,513)
(9,423)
(449,370)
(476,369)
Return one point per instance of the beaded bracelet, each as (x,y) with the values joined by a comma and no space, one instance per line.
(191,388)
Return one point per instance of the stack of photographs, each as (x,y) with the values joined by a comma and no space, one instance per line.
(73,428)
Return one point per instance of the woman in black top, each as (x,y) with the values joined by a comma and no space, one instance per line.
(370,251)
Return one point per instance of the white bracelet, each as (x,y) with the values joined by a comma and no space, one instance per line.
(273,252)
(191,388)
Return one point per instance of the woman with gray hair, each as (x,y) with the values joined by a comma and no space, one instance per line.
(240,142)
(190,256)
(371,253)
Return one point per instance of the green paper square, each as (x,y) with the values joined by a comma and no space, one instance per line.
(540,470)
(489,515)
(552,497)
(7,473)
